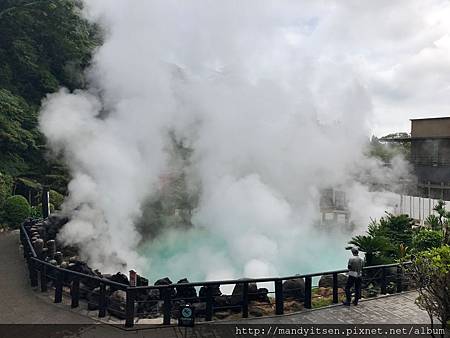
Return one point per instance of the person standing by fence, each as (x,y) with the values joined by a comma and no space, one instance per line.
(355,266)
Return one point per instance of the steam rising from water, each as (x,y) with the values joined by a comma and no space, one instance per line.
(271,116)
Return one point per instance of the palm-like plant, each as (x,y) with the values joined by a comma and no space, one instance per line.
(443,219)
(372,246)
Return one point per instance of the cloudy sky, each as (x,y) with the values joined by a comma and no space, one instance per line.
(401,50)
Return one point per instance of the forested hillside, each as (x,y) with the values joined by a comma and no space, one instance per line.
(43,45)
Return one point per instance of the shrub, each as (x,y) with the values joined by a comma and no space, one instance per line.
(427,239)
(433,221)
(16,210)
(431,274)
(56,199)
(6,184)
(36,212)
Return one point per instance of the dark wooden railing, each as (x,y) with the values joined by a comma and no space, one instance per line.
(382,275)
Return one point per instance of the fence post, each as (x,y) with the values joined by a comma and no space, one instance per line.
(102,301)
(167,296)
(43,275)
(75,292)
(33,273)
(129,308)
(279,306)
(209,303)
(383,281)
(335,288)
(245,300)
(399,279)
(59,286)
(308,286)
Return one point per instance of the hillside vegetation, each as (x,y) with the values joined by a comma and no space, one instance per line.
(43,45)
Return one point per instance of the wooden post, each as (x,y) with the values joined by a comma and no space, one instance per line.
(59,286)
(209,303)
(383,281)
(399,279)
(167,306)
(335,288)
(279,306)
(129,308)
(33,273)
(102,301)
(43,275)
(308,295)
(75,292)
(245,300)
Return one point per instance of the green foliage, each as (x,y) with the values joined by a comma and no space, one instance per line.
(36,212)
(387,151)
(430,271)
(56,199)
(433,221)
(43,45)
(443,220)
(388,240)
(6,185)
(397,228)
(426,239)
(373,247)
(16,209)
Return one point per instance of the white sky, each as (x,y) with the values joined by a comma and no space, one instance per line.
(401,50)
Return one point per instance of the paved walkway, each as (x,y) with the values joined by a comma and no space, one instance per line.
(395,309)
(19,304)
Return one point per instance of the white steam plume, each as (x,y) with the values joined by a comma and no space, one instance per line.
(273,115)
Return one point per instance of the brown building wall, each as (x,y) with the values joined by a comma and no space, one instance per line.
(438,127)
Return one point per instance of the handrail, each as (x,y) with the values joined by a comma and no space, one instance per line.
(83,275)
(24,231)
(207,283)
(37,264)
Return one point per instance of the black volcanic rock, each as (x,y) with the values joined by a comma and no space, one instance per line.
(294,288)
(163,281)
(236,296)
(187,293)
(262,295)
(326,281)
(215,291)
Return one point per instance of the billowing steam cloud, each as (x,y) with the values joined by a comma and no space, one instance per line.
(269,109)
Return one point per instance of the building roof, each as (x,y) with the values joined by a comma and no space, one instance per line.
(431,118)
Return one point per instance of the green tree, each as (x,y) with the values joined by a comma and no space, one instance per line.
(56,199)
(433,221)
(373,247)
(19,137)
(43,45)
(426,239)
(443,220)
(6,185)
(16,209)
(386,241)
(386,151)
(430,271)
(398,228)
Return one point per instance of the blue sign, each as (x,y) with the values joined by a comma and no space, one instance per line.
(187,317)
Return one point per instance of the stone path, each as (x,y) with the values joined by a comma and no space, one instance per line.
(19,304)
(395,309)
